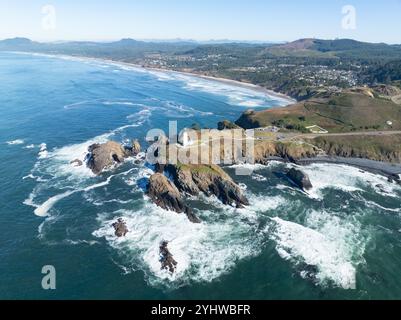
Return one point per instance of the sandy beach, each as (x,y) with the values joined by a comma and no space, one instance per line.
(225,81)
(230,82)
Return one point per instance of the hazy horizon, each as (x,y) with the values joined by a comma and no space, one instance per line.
(254,21)
(207,41)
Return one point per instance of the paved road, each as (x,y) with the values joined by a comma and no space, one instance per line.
(357,133)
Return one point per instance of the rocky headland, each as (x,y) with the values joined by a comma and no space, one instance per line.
(165,195)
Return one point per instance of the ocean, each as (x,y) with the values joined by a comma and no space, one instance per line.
(340,241)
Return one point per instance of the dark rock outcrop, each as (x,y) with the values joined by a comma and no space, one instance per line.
(103,156)
(134,149)
(227,125)
(77,163)
(208,179)
(120,228)
(247,120)
(300,179)
(166,258)
(395,178)
(166,195)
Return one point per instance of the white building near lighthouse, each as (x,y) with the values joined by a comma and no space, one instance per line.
(185,138)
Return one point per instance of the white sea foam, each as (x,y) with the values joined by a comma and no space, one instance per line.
(80,103)
(201,250)
(43,209)
(29,176)
(15,142)
(56,164)
(373,204)
(312,248)
(80,242)
(30,200)
(43,153)
(237,95)
(346,178)
(259,177)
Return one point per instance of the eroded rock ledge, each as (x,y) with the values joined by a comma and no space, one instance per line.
(166,195)
(166,258)
(208,179)
(193,180)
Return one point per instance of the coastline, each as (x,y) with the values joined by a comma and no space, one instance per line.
(289,100)
(376,167)
(226,81)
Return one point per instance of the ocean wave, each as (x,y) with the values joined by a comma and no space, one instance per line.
(375,205)
(43,153)
(179,110)
(80,242)
(318,254)
(43,209)
(105,102)
(346,178)
(236,94)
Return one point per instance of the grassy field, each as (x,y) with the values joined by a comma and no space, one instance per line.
(381,148)
(346,111)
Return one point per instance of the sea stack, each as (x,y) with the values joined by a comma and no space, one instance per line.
(166,258)
(300,178)
(120,228)
(103,156)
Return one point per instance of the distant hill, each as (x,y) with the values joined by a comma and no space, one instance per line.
(299,69)
(314,48)
(119,50)
(339,48)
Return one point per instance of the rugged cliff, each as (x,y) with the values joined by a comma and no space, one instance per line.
(376,147)
(290,151)
(208,179)
(166,195)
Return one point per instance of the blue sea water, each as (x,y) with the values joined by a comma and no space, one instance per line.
(342,241)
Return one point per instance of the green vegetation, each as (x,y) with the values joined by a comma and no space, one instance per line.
(291,124)
(345,111)
(299,69)
(381,147)
(227,125)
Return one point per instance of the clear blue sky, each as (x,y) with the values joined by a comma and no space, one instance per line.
(273,20)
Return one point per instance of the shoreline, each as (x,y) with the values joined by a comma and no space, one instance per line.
(226,81)
(257,88)
(386,169)
(382,168)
